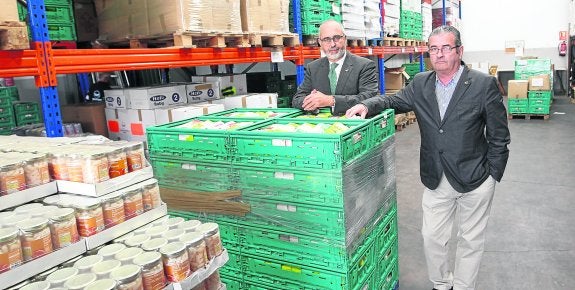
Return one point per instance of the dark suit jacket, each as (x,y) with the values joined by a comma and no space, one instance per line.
(357,81)
(470,143)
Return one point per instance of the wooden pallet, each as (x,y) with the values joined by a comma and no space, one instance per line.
(357,42)
(392,41)
(528,116)
(182,39)
(13,35)
(270,40)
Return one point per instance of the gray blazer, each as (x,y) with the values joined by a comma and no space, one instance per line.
(357,81)
(470,143)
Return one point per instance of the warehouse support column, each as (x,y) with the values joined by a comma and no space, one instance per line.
(381,66)
(46,79)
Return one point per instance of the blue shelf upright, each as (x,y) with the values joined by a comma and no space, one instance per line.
(46,81)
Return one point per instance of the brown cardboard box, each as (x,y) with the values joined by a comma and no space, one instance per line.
(13,35)
(517,88)
(9,11)
(122,19)
(395,78)
(265,16)
(539,83)
(91,116)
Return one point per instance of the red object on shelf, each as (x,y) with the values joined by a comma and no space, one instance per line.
(64,44)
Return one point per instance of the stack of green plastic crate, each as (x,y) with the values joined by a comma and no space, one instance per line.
(7,121)
(322,206)
(537,102)
(59,17)
(314,12)
(27,113)
(410,25)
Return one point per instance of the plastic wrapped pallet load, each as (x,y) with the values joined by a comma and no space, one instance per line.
(267,16)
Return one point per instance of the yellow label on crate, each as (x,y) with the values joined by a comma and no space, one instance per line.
(186,137)
(291,268)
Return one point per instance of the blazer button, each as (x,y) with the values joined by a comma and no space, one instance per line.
(440,131)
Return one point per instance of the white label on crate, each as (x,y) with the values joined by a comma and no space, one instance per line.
(188,166)
(383,123)
(289,238)
(415,49)
(537,82)
(357,137)
(402,50)
(281,143)
(369,50)
(277,56)
(335,9)
(285,207)
(186,137)
(284,175)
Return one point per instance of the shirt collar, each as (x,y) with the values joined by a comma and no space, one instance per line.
(453,80)
(341,60)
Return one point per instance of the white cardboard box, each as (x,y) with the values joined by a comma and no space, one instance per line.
(156,97)
(202,92)
(169,115)
(209,108)
(263,100)
(107,186)
(27,195)
(113,123)
(225,82)
(115,99)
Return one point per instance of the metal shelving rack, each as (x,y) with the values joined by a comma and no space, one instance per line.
(44,63)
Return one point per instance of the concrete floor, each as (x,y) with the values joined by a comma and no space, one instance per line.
(531,234)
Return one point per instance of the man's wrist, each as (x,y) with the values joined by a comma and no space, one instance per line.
(332,101)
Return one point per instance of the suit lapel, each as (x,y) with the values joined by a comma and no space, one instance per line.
(460,89)
(344,73)
(431,98)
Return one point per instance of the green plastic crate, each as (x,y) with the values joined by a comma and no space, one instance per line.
(26,108)
(9,92)
(390,276)
(288,88)
(539,95)
(6,111)
(194,176)
(539,110)
(518,102)
(518,110)
(236,114)
(5,131)
(62,31)
(310,28)
(383,126)
(5,102)
(280,275)
(192,144)
(288,184)
(284,102)
(539,102)
(55,12)
(7,122)
(21,118)
(304,150)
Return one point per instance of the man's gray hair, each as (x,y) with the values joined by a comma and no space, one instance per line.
(448,29)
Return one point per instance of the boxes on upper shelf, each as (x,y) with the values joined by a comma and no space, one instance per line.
(202,92)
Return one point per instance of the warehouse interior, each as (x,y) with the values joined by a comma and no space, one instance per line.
(193,168)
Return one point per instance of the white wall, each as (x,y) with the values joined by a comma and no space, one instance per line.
(488,24)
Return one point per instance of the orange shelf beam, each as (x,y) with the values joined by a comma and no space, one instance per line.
(19,63)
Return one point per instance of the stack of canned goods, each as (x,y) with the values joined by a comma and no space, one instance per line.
(33,230)
(19,171)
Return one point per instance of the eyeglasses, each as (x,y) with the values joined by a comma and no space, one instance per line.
(444,49)
(334,38)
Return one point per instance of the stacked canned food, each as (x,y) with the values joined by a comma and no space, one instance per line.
(33,230)
(19,171)
(93,215)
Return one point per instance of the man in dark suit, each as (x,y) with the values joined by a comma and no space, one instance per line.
(464,138)
(338,80)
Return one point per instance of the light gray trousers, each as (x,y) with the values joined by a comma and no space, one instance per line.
(440,209)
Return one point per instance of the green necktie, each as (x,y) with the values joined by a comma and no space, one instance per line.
(332,77)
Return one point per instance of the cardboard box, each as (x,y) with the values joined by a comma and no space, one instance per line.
(202,92)
(118,20)
(155,97)
(90,115)
(539,83)
(267,16)
(113,123)
(169,115)
(86,21)
(208,108)
(517,88)
(13,35)
(395,78)
(9,11)
(237,82)
(133,123)
(116,99)
(263,100)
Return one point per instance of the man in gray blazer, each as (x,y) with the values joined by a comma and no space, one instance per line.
(340,79)
(464,138)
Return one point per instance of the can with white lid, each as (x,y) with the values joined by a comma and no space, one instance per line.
(40,285)
(127,255)
(102,284)
(63,227)
(60,276)
(211,234)
(35,237)
(85,264)
(109,251)
(190,225)
(137,240)
(154,244)
(10,249)
(174,222)
(153,275)
(176,261)
(196,250)
(104,268)
(80,281)
(129,277)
